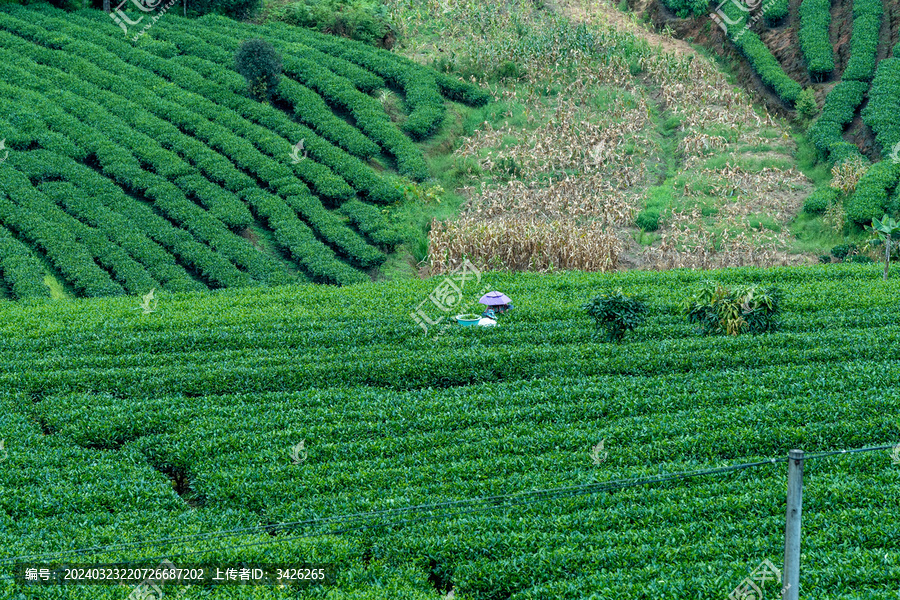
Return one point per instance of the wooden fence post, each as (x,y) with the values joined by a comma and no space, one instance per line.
(792,526)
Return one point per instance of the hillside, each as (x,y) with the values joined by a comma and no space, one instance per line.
(122,427)
(279,397)
(845,55)
(610,146)
(131,167)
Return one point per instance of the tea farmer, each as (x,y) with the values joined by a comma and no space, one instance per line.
(496,302)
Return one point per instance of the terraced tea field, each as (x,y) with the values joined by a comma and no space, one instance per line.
(131,167)
(121,428)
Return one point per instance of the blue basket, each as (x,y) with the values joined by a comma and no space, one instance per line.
(468,320)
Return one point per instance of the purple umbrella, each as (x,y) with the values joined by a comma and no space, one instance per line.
(495,299)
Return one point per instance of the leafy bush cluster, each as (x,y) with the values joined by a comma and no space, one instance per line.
(846,253)
(648,220)
(775,10)
(715,308)
(719,309)
(616,313)
(819,200)
(806,105)
(260,65)
(815,25)
(687,8)
(238,9)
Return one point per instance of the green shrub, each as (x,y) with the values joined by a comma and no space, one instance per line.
(260,66)
(842,251)
(775,10)
(686,8)
(648,220)
(842,151)
(616,313)
(806,105)
(717,309)
(510,70)
(818,201)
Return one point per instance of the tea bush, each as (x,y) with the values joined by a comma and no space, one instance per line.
(815,25)
(616,313)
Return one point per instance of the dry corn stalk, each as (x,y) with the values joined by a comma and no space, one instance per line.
(700,144)
(847,174)
(687,243)
(520,243)
(571,198)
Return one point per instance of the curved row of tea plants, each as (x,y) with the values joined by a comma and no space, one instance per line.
(367,112)
(758,54)
(21,270)
(815,41)
(206,76)
(840,107)
(883,109)
(118,161)
(145,183)
(867,16)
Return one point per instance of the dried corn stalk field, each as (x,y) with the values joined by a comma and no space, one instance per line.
(567,183)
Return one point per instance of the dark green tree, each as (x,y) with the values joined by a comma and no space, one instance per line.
(260,64)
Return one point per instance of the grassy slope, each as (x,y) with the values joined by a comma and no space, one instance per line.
(121,426)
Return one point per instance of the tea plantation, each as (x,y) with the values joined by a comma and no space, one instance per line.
(123,427)
(149,165)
